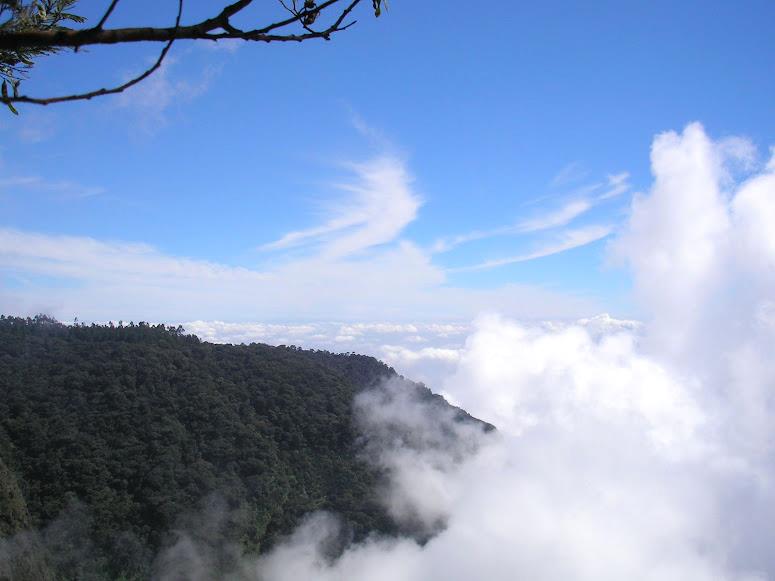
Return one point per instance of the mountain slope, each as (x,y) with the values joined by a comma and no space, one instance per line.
(113,438)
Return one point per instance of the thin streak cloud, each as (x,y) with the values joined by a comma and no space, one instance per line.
(560,217)
(616,185)
(63,189)
(568,240)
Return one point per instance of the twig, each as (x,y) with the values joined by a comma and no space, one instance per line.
(101,92)
(107,14)
(216,28)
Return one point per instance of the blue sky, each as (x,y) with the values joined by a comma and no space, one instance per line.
(434,163)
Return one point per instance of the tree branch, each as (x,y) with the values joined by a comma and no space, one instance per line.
(216,28)
(100,92)
(65,38)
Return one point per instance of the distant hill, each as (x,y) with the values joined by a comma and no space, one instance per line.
(111,435)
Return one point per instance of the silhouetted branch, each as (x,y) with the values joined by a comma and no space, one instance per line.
(216,28)
(205,30)
(100,92)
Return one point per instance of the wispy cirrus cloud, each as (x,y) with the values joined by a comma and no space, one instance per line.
(93,261)
(63,189)
(37,127)
(586,198)
(556,218)
(567,240)
(573,172)
(378,205)
(617,184)
(152,100)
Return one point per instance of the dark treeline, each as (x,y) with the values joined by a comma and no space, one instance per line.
(111,434)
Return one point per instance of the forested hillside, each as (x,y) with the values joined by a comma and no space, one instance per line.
(112,437)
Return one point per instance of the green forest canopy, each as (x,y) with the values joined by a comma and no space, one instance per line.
(111,435)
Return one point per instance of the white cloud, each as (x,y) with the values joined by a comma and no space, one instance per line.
(429,364)
(228,45)
(450,242)
(114,280)
(370,337)
(237,333)
(605,324)
(573,172)
(37,127)
(86,259)
(568,240)
(152,99)
(360,328)
(373,135)
(382,203)
(560,217)
(704,233)
(400,354)
(616,185)
(62,189)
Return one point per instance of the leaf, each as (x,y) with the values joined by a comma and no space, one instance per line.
(73,17)
(12,108)
(5,89)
